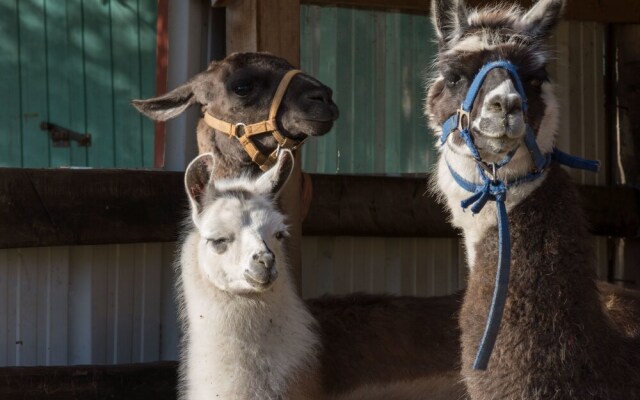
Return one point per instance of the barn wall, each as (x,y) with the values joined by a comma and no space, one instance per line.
(114,303)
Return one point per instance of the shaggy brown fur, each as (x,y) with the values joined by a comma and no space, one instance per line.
(386,339)
(556,341)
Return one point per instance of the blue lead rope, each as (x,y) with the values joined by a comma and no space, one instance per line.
(493,189)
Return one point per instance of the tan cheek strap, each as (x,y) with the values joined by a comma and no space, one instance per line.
(270,125)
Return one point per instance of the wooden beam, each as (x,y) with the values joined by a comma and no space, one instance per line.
(156,381)
(273,26)
(71,207)
(77,207)
(610,11)
(354,205)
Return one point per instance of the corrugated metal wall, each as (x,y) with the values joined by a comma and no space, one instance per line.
(106,304)
(77,64)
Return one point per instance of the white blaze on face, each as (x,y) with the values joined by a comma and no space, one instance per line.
(501,112)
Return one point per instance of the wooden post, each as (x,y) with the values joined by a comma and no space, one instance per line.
(626,139)
(273,26)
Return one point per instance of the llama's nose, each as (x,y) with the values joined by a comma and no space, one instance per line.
(320,95)
(264,259)
(504,103)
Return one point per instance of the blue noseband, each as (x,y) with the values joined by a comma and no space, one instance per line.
(494,189)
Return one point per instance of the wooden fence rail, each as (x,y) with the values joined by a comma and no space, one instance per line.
(82,207)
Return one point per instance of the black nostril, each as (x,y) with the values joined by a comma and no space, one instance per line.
(319,96)
(505,104)
(264,259)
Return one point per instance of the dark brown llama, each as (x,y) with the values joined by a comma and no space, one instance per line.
(237,92)
(558,339)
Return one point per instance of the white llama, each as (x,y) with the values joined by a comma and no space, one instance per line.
(249,336)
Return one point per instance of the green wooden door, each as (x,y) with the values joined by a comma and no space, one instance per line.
(377,63)
(76,64)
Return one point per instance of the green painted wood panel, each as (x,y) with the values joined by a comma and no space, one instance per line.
(76,86)
(33,82)
(58,99)
(10,119)
(376,63)
(78,64)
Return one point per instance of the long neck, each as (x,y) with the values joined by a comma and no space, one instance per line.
(555,337)
(237,346)
(474,226)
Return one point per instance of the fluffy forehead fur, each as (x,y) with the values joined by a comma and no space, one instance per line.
(468,39)
(234,205)
(501,29)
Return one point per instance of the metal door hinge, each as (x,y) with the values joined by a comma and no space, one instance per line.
(61,136)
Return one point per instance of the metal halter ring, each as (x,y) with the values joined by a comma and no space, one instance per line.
(463,115)
(239,125)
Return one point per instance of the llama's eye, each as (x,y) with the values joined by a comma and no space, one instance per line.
(539,78)
(452,80)
(242,88)
(536,82)
(217,242)
(280,235)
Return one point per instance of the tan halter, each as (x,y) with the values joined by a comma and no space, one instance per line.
(270,125)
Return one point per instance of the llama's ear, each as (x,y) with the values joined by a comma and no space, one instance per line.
(272,181)
(197,181)
(449,20)
(540,20)
(168,105)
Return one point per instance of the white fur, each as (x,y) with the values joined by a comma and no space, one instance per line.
(241,343)
(506,91)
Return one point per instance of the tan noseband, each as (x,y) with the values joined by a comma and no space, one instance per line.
(246,132)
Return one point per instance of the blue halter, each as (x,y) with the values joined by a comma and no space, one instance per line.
(495,189)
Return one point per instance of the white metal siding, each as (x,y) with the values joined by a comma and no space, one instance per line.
(87,305)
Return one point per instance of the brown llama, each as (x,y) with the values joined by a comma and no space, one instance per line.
(558,339)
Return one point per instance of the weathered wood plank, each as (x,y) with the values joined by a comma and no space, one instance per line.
(33,83)
(47,207)
(136,381)
(610,11)
(10,105)
(56,207)
(98,58)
